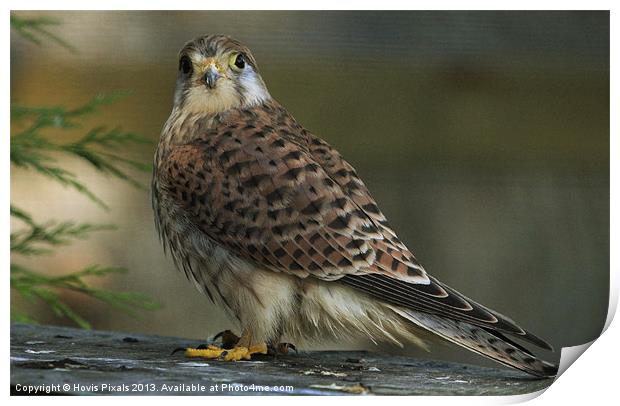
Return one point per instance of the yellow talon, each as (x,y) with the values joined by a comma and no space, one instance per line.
(239,353)
(210,352)
(235,354)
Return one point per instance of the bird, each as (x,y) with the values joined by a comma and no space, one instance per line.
(275,226)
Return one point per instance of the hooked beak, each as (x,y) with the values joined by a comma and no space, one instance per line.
(211,76)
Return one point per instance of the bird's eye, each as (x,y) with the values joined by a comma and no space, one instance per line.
(237,62)
(185,65)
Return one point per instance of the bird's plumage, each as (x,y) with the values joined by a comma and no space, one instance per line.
(243,194)
(256,184)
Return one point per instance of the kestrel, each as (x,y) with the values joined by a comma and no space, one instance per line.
(271,222)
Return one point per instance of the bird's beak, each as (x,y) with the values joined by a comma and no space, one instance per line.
(211,75)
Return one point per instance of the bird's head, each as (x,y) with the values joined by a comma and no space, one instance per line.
(217,73)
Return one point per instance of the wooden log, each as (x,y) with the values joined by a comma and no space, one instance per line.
(72,361)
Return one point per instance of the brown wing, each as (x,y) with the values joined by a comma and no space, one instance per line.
(253,185)
(393,256)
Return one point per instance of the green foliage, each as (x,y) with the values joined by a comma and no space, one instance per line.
(37,239)
(36,145)
(31,147)
(35,285)
(34,29)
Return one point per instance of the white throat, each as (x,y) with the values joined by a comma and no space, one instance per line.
(248,91)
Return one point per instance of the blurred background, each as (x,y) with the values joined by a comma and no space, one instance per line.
(484,136)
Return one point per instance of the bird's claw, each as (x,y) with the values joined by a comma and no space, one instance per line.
(184,349)
(210,352)
(282,349)
(231,351)
(233,354)
(228,338)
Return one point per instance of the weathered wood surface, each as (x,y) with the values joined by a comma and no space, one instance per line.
(96,362)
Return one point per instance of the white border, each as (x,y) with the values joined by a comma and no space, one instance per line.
(593,376)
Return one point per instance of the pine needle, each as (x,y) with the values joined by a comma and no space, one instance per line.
(36,146)
(34,29)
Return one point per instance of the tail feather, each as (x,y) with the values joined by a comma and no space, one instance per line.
(477,339)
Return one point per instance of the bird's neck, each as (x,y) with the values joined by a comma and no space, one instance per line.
(183,127)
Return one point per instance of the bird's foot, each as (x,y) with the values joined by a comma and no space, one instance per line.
(231,350)
(209,352)
(282,349)
(230,340)
(237,353)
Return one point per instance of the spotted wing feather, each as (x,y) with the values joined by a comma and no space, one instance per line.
(253,185)
(393,257)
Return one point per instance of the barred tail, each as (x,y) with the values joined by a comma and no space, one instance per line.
(486,342)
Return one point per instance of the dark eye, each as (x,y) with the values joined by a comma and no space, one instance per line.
(185,65)
(240,61)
